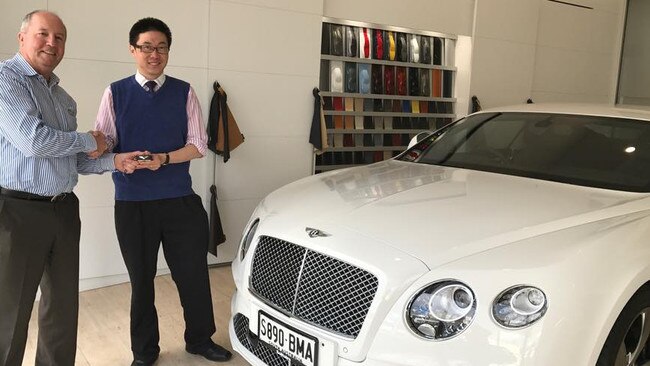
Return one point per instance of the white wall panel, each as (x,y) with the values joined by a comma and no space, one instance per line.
(261,165)
(263,40)
(503,72)
(269,104)
(574,54)
(508,20)
(577,29)
(446,16)
(462,80)
(300,6)
(504,49)
(99,30)
(12,15)
(572,72)
(550,97)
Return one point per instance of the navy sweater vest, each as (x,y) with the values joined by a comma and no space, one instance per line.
(156,122)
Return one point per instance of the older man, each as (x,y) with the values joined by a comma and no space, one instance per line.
(40,156)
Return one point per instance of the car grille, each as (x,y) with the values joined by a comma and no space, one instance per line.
(311,286)
(266,355)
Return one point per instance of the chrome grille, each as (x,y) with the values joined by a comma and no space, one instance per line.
(276,267)
(327,292)
(335,294)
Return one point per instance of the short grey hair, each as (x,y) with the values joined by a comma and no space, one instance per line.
(28,18)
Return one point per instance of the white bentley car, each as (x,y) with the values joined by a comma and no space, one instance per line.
(518,236)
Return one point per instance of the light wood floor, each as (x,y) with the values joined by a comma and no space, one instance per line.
(104,324)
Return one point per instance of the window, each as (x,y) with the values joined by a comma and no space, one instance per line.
(592,151)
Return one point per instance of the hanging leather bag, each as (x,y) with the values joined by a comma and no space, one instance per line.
(223,133)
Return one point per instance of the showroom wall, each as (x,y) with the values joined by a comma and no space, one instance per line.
(265,53)
(546,50)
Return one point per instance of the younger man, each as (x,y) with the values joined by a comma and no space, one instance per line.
(160,114)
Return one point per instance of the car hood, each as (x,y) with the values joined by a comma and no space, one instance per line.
(440,214)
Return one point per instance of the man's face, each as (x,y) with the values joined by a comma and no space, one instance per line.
(151,65)
(42,43)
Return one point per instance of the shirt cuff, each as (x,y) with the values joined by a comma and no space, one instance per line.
(89,142)
(202,148)
(107,162)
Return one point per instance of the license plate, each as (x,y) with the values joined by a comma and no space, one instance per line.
(289,341)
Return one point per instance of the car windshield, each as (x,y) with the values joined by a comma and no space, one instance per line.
(603,152)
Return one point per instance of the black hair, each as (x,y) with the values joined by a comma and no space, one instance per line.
(149,24)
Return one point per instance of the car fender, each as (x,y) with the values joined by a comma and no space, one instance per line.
(584,296)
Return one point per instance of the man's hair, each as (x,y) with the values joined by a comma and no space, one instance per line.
(149,24)
(28,18)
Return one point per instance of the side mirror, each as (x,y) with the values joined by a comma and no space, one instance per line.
(417,138)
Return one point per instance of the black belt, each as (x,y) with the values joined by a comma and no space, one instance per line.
(30,196)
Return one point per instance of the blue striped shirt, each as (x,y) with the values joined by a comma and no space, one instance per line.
(40,150)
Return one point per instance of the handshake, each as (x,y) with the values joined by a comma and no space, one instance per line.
(126,162)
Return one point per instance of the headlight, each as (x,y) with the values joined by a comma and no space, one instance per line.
(442,310)
(519,306)
(248,239)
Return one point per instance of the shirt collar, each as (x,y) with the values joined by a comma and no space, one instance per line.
(22,66)
(160,80)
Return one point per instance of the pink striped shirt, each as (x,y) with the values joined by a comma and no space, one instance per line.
(196,134)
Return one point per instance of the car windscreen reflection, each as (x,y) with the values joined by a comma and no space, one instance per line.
(602,152)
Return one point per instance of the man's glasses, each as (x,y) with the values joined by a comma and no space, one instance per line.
(146,48)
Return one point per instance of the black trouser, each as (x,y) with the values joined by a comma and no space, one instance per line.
(39,243)
(181,224)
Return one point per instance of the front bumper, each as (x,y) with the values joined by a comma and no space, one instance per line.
(244,340)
